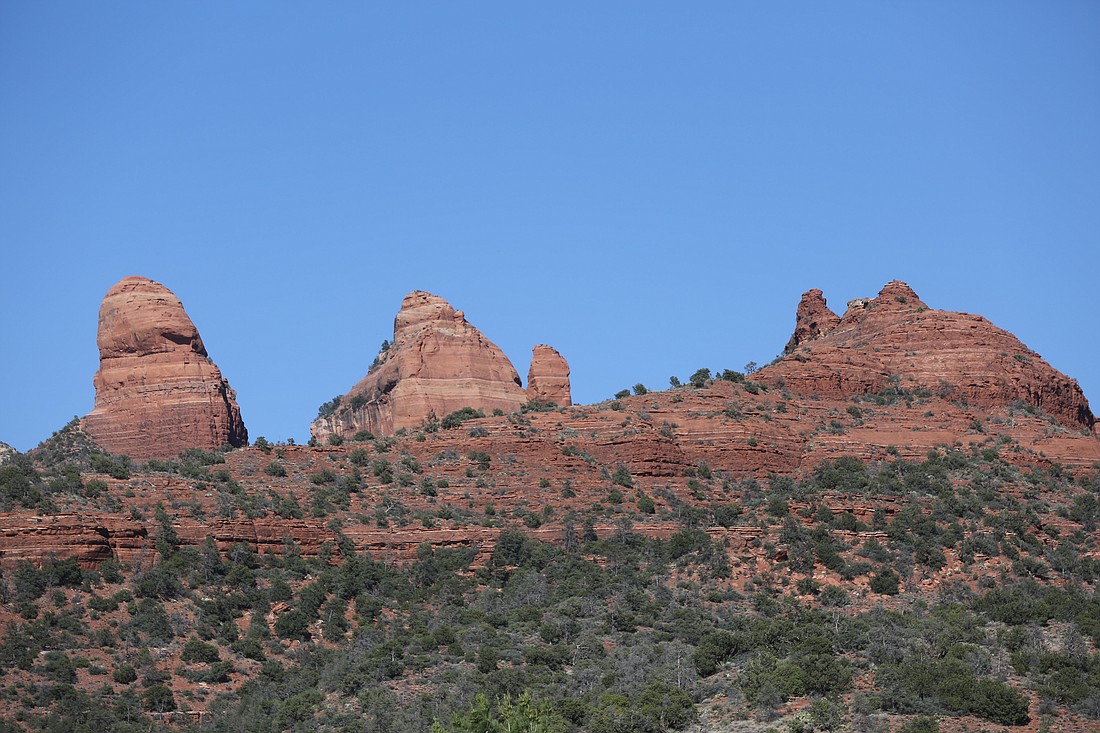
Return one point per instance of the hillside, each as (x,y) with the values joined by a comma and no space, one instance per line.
(893,524)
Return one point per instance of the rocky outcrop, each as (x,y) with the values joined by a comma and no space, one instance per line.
(812,319)
(6,453)
(548,377)
(896,346)
(436,364)
(157,391)
(89,539)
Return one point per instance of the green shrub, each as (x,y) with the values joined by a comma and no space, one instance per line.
(921,724)
(59,667)
(159,699)
(481,458)
(329,408)
(507,714)
(117,467)
(275,469)
(293,625)
(726,515)
(456,418)
(124,674)
(536,406)
(622,477)
(198,651)
(700,378)
(885,583)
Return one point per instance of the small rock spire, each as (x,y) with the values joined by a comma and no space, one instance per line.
(548,377)
(812,319)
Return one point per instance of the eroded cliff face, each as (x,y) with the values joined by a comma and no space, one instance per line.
(895,344)
(548,377)
(437,363)
(157,391)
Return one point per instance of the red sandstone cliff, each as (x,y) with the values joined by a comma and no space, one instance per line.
(548,377)
(437,363)
(895,342)
(157,392)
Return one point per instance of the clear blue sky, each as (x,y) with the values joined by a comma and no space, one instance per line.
(649,187)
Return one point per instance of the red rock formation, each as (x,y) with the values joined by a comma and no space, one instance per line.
(437,363)
(699,447)
(157,392)
(896,343)
(548,377)
(88,539)
(812,319)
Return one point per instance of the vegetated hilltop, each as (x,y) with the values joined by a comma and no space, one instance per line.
(880,528)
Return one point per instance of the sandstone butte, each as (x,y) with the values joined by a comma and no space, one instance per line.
(437,363)
(548,377)
(895,342)
(6,453)
(157,392)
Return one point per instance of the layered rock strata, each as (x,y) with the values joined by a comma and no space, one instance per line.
(157,392)
(437,363)
(548,377)
(895,346)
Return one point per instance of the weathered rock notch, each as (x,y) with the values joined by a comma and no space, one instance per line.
(157,392)
(436,364)
(895,346)
(548,377)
